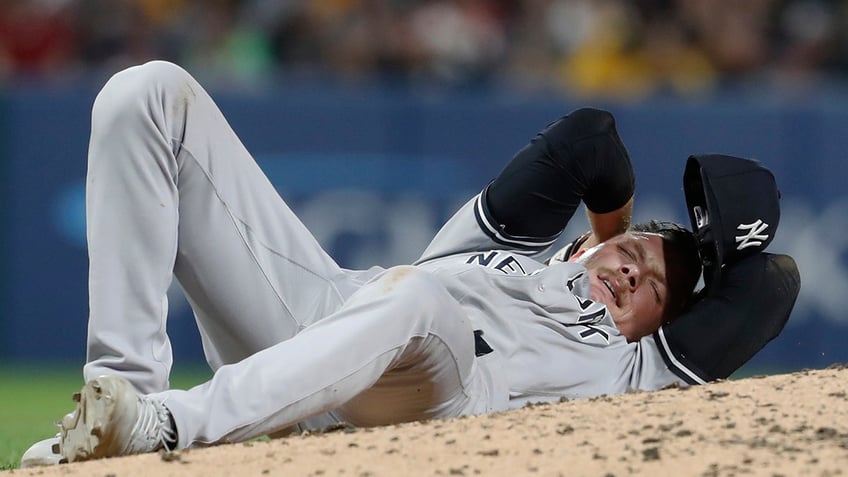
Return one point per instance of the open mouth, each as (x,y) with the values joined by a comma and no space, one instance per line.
(610,288)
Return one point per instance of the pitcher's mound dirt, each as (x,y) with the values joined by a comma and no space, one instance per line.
(783,425)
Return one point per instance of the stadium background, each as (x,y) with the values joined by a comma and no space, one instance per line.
(376,118)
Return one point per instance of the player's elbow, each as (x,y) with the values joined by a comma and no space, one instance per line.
(582,127)
(593,121)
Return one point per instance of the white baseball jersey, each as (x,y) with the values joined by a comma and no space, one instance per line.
(555,340)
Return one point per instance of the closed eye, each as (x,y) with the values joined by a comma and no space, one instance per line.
(629,254)
(656,290)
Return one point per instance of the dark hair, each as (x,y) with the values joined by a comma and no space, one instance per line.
(682,247)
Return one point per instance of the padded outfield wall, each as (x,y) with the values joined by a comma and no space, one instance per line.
(375,174)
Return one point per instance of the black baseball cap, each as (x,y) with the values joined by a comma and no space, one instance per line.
(733,205)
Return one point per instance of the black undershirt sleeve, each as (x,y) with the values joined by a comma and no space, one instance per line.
(720,333)
(578,157)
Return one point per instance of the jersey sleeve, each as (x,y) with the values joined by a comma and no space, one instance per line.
(718,334)
(650,371)
(579,157)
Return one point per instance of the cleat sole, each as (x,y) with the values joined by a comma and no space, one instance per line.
(94,429)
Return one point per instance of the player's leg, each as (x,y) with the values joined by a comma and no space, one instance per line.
(402,331)
(171,190)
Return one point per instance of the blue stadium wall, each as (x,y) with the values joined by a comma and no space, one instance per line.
(375,174)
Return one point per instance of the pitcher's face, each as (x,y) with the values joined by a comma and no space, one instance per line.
(628,274)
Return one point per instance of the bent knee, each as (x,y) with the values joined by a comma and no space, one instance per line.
(148,75)
(131,90)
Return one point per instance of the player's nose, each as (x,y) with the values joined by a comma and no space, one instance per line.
(631,274)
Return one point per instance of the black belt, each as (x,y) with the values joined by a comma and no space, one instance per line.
(481,348)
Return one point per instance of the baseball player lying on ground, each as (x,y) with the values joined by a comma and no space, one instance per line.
(475,325)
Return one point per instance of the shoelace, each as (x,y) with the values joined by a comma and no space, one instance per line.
(152,430)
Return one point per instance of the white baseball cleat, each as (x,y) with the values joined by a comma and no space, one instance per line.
(112,420)
(41,453)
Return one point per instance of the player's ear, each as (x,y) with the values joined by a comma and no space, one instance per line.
(577,255)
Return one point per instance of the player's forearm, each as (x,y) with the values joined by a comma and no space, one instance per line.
(578,158)
(607,225)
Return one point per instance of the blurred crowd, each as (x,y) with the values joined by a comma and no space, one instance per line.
(626,49)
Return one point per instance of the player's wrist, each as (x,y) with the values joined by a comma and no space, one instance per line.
(607,225)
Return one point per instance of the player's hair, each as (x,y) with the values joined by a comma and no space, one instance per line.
(682,246)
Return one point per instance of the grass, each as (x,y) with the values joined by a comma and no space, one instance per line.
(34,398)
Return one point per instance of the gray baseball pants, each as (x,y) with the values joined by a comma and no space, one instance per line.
(172,192)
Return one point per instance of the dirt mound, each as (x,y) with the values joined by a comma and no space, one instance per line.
(793,424)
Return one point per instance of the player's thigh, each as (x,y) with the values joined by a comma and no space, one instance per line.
(252,271)
(438,374)
(231,217)
(253,280)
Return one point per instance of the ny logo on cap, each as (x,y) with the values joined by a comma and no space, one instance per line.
(754,236)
